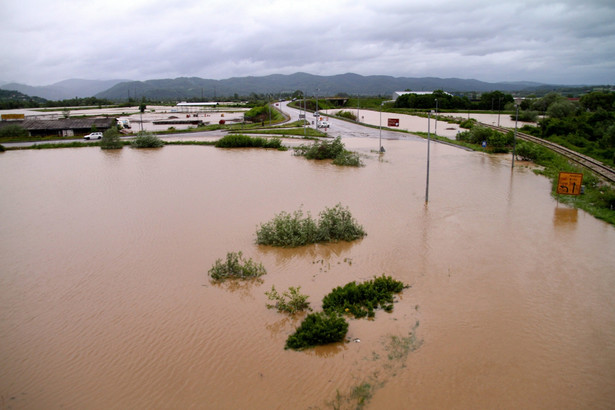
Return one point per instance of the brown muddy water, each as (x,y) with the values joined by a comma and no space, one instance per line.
(106,301)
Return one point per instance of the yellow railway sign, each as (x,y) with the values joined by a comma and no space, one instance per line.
(569,183)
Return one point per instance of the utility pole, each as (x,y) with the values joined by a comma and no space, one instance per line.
(436,127)
(428,140)
(515,136)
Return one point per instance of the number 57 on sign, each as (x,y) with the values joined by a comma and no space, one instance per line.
(569,183)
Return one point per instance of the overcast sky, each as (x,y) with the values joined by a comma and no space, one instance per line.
(556,42)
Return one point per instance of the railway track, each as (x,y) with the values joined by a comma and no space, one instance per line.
(592,164)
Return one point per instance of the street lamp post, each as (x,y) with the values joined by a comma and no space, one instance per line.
(428,140)
(515,137)
(499,109)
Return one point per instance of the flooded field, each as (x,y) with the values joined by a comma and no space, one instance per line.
(414,123)
(106,301)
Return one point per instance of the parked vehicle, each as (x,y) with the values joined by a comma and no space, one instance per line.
(322,124)
(93,136)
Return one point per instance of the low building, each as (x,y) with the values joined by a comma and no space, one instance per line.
(65,127)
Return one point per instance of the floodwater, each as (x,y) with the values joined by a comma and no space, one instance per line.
(106,302)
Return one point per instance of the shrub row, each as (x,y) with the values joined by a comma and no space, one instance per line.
(245,141)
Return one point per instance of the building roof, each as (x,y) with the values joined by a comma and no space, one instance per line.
(63,124)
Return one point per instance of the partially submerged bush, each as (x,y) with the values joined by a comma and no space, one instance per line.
(362,299)
(111,139)
(337,224)
(329,150)
(318,329)
(146,140)
(286,230)
(245,141)
(289,302)
(235,267)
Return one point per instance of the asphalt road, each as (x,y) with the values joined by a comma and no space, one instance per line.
(345,128)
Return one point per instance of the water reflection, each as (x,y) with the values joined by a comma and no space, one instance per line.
(565,217)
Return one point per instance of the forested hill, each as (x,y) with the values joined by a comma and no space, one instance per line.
(186,88)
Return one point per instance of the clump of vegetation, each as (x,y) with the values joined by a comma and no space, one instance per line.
(469,123)
(235,267)
(329,150)
(289,302)
(347,114)
(146,140)
(111,139)
(362,299)
(13,131)
(263,113)
(245,141)
(495,140)
(337,224)
(2,149)
(318,329)
(286,230)
(348,159)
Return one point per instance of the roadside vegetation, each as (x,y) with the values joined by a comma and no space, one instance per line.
(235,267)
(262,114)
(293,230)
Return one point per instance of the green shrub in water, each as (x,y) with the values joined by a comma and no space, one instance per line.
(245,141)
(289,302)
(329,150)
(286,230)
(362,299)
(111,139)
(146,140)
(235,267)
(318,329)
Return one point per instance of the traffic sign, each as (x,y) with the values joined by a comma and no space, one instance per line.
(569,183)
(393,122)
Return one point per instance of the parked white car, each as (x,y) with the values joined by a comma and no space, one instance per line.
(322,124)
(93,136)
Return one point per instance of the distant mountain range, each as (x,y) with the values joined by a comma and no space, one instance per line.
(64,90)
(185,88)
